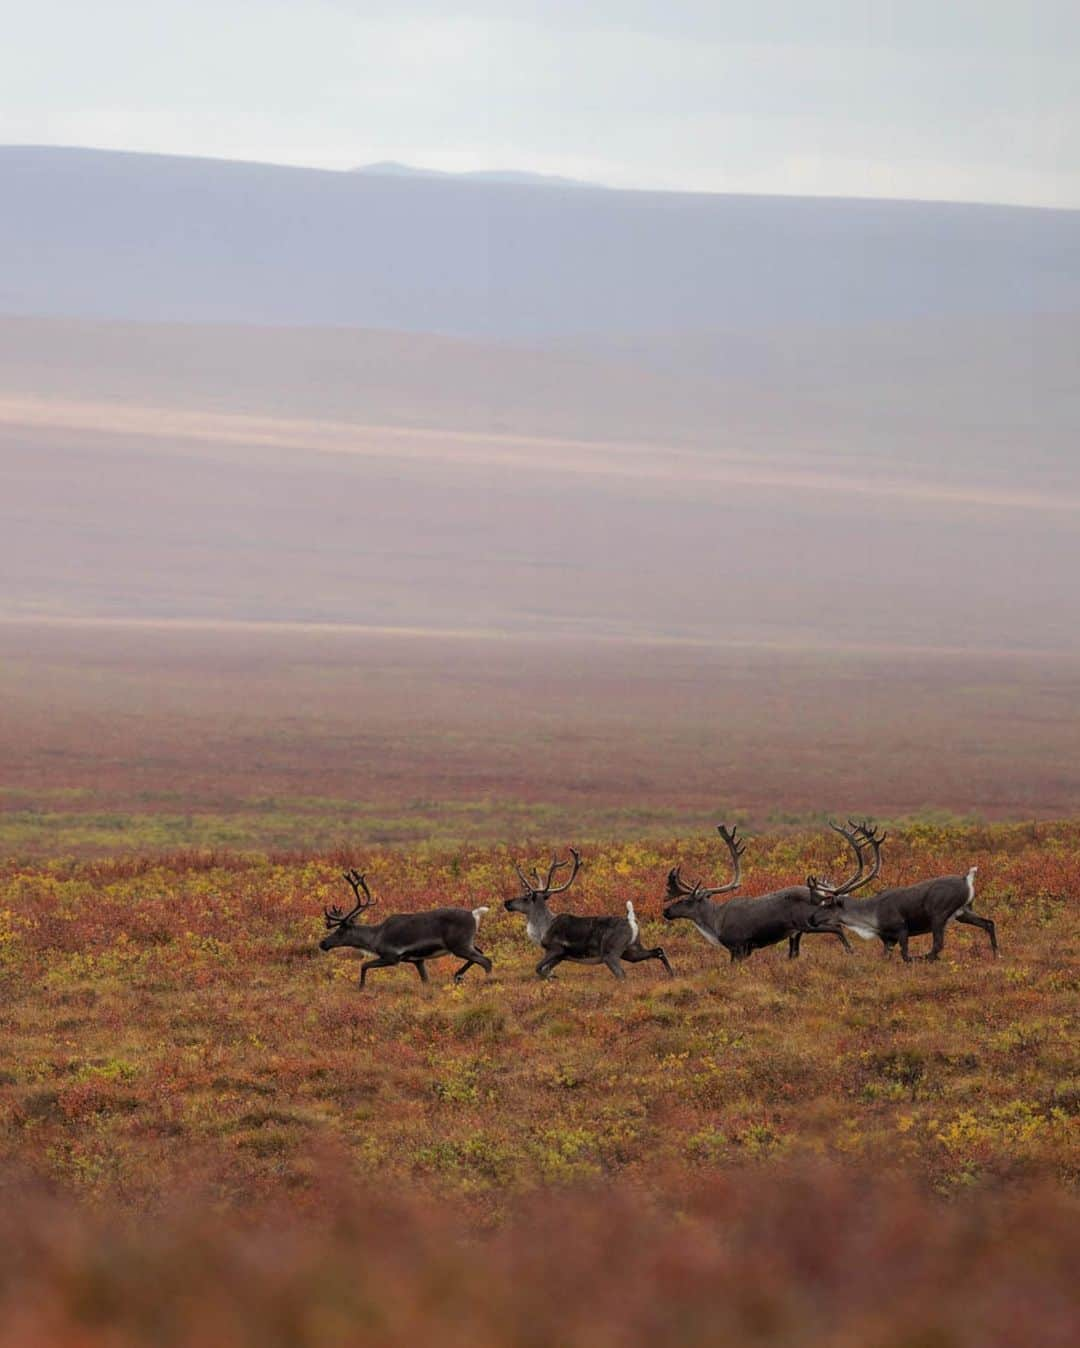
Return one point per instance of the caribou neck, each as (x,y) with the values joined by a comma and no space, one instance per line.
(538,920)
(362,936)
(708,917)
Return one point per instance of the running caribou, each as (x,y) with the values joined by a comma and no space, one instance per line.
(894,915)
(583,940)
(744,925)
(405,938)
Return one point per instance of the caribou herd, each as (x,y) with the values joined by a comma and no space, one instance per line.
(740,925)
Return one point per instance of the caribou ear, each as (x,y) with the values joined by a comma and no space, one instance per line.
(673,890)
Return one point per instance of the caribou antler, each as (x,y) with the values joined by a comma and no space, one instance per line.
(736,847)
(677,888)
(334,916)
(869,834)
(575,866)
(535,885)
(857,836)
(852,835)
(531,886)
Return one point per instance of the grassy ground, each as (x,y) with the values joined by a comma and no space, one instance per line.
(209,1134)
(160,1013)
(145,739)
(317,825)
(314,824)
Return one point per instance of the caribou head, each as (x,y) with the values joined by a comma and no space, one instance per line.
(342,927)
(686,900)
(533,901)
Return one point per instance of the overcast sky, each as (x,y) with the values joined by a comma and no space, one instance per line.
(953,99)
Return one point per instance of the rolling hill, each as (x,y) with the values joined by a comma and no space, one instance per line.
(88,233)
(239,392)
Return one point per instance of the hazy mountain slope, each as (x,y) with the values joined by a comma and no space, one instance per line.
(961,395)
(659,416)
(99,234)
(115,511)
(357,375)
(961,398)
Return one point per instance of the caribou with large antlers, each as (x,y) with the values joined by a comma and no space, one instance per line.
(405,938)
(583,940)
(894,915)
(744,925)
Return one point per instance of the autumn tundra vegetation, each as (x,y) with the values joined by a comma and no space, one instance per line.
(403,577)
(211,1135)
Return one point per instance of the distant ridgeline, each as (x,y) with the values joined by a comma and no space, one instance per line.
(99,234)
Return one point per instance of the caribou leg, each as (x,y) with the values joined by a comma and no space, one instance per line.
(612,962)
(380,963)
(986,923)
(472,955)
(421,970)
(938,932)
(795,940)
(634,954)
(549,962)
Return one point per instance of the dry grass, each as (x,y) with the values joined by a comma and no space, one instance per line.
(162,1015)
(836,1150)
(147,739)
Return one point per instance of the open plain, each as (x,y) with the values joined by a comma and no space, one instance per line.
(128,735)
(706,1158)
(840,1149)
(426,525)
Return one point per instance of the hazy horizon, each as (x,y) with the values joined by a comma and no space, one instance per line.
(971,102)
(237,393)
(510,173)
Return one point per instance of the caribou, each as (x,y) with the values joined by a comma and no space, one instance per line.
(405,938)
(744,925)
(894,915)
(583,940)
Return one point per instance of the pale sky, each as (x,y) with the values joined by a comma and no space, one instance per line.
(968,100)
